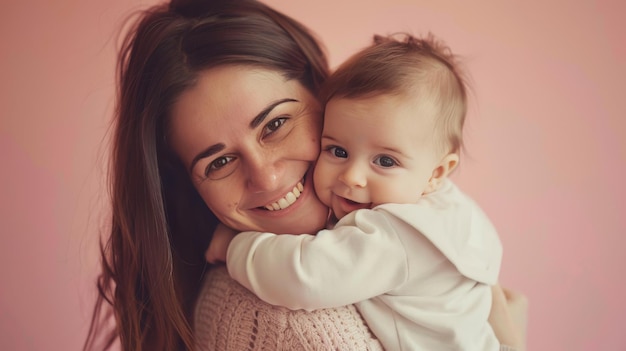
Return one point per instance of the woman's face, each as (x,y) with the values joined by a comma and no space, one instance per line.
(249,138)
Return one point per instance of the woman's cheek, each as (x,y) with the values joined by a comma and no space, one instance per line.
(309,137)
(221,200)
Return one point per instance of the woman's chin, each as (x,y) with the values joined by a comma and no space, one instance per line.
(307,215)
(312,221)
(307,218)
(311,228)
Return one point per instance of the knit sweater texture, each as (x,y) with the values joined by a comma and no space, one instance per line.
(228,317)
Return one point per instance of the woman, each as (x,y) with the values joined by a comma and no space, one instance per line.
(216,120)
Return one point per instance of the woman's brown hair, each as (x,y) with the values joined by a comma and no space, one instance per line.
(152,261)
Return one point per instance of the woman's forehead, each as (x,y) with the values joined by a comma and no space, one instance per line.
(239,90)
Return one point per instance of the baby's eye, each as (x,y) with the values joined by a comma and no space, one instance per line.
(338,152)
(385,161)
(218,164)
(274,125)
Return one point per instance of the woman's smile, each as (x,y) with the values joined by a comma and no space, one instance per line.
(298,196)
(286,200)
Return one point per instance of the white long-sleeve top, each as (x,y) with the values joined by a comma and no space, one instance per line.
(420,274)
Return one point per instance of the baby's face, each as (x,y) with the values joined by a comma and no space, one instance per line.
(375,150)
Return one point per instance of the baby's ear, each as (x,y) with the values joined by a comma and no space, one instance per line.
(445,167)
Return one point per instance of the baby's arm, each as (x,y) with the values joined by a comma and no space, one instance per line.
(355,261)
(222,236)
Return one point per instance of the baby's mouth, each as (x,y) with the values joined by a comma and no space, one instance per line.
(287,200)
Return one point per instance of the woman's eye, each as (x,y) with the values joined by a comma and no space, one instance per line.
(218,164)
(385,161)
(274,125)
(338,152)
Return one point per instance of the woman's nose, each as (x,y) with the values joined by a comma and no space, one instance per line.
(264,172)
(353,175)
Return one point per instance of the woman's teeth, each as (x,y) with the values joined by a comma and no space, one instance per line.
(286,201)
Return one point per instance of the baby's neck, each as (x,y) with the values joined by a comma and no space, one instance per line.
(332,220)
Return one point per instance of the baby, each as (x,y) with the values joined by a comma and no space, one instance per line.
(409,249)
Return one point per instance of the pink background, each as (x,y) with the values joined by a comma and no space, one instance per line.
(545,140)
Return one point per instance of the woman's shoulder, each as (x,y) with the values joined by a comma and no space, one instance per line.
(229,317)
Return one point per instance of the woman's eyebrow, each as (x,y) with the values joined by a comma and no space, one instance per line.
(253,124)
(206,153)
(263,114)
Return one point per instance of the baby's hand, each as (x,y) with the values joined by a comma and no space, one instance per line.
(219,244)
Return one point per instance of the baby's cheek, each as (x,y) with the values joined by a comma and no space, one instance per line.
(322,185)
(323,192)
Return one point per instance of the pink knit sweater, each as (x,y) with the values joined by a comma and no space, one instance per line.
(230,318)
